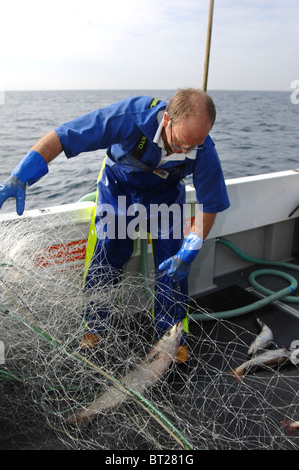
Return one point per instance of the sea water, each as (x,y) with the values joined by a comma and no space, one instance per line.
(255,132)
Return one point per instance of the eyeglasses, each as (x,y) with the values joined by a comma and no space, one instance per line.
(198,147)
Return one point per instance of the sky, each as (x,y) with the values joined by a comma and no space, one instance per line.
(148,44)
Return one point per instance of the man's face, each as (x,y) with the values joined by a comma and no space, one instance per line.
(185,134)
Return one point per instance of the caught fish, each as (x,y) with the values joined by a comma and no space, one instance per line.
(263,340)
(291,426)
(146,374)
(271,358)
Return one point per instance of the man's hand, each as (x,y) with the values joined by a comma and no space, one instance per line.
(13,187)
(178,266)
(27,172)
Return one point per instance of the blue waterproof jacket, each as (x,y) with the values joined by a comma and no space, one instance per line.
(119,127)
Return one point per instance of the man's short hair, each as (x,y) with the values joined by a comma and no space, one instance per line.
(191,102)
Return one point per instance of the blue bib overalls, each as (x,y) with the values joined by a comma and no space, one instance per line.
(139,178)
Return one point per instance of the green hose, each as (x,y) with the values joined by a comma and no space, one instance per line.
(88,197)
(271,296)
(264,262)
(293,284)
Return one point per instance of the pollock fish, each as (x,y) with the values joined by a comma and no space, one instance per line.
(271,358)
(263,340)
(147,373)
(291,426)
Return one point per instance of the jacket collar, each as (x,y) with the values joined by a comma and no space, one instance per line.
(148,120)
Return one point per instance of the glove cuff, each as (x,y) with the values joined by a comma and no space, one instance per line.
(31,168)
(190,248)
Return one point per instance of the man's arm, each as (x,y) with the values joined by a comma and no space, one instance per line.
(49,146)
(33,166)
(203,222)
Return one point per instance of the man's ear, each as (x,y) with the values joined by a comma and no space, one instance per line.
(166,119)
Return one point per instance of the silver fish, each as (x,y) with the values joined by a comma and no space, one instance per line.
(263,340)
(147,372)
(291,426)
(271,358)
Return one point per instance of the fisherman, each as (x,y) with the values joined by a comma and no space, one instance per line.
(151,146)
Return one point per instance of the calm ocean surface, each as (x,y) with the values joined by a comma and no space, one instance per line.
(255,133)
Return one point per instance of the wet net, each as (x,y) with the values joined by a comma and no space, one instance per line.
(45,377)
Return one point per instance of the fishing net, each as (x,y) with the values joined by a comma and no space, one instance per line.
(45,376)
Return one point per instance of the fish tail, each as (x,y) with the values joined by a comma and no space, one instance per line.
(236,374)
(288,425)
(78,420)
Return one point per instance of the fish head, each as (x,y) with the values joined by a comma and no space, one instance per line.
(171,338)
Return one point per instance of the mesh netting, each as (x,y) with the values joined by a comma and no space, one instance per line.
(46,377)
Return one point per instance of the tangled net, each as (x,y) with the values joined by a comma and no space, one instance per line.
(46,376)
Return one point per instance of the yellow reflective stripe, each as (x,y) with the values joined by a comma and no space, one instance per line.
(153,300)
(186,323)
(92,236)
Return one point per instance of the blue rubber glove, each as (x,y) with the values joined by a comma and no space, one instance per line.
(178,266)
(26,173)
